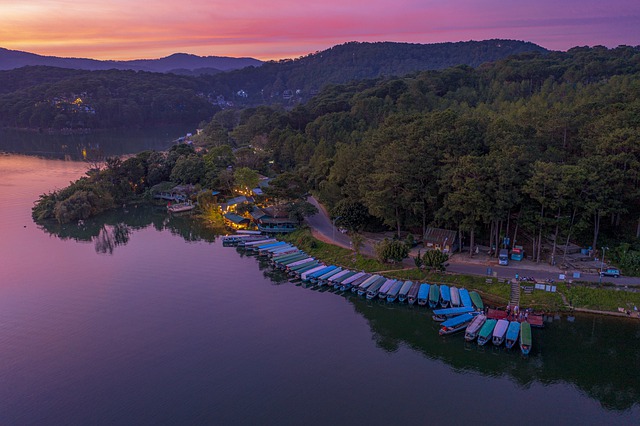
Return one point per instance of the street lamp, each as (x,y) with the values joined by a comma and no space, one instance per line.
(602,263)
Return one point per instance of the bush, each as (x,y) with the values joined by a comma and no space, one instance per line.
(391,250)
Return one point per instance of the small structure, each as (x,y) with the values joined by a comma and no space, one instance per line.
(236,221)
(517,253)
(273,220)
(443,240)
(231,204)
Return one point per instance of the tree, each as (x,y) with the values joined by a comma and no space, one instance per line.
(246,179)
(350,214)
(391,250)
(188,169)
(298,210)
(357,241)
(435,259)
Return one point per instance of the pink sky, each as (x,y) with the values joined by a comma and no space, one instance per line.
(130,29)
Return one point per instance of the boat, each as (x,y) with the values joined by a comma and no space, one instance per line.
(337,279)
(476,300)
(374,289)
(313,277)
(525,338)
(181,207)
(295,262)
(434,296)
(455,324)
(306,275)
(455,297)
(465,299)
(445,314)
(355,284)
(512,334)
(404,291)
(413,293)
(474,327)
(486,331)
(236,239)
(248,232)
(324,279)
(299,270)
(386,287)
(249,244)
(423,294)
(364,285)
(347,281)
(445,296)
(392,294)
(499,332)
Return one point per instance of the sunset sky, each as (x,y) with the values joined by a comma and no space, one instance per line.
(131,29)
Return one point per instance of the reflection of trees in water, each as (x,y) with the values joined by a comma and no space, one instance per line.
(110,237)
(276,276)
(116,227)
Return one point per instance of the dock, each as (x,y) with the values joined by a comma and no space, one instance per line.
(536,320)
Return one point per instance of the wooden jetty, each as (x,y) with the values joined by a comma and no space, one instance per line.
(535,320)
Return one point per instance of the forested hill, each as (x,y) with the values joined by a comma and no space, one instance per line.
(550,142)
(289,81)
(181,62)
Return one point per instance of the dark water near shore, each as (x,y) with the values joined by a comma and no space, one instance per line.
(137,317)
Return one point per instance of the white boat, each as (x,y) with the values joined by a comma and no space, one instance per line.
(474,327)
(181,207)
(500,331)
(455,297)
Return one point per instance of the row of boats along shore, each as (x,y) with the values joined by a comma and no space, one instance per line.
(455,308)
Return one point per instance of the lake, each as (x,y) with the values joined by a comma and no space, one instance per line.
(137,317)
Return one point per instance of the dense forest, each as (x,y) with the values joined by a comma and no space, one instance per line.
(548,144)
(42,97)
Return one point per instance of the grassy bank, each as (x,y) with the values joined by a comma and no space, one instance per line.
(496,294)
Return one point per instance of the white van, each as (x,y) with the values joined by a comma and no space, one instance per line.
(503,257)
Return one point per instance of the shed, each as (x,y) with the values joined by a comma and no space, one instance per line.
(444,240)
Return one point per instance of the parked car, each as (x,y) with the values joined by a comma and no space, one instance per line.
(610,272)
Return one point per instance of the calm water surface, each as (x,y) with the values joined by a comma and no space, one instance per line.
(140,318)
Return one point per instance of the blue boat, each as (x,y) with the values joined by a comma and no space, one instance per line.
(465,299)
(445,296)
(512,334)
(323,279)
(306,275)
(445,314)
(404,291)
(392,294)
(412,297)
(423,294)
(455,324)
(313,276)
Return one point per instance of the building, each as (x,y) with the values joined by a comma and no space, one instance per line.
(443,240)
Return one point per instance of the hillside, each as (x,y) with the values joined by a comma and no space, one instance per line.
(181,62)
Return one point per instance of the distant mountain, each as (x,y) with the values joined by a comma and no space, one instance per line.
(182,62)
(294,80)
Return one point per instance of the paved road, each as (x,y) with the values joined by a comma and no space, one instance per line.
(322,227)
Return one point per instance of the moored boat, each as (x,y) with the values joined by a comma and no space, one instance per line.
(337,279)
(465,300)
(512,334)
(386,287)
(455,297)
(355,284)
(412,297)
(298,270)
(434,295)
(446,313)
(455,324)
(404,291)
(324,279)
(445,296)
(423,294)
(353,280)
(306,275)
(474,327)
(525,338)
(392,294)
(499,332)
(374,289)
(364,285)
(486,331)
(476,300)
(181,207)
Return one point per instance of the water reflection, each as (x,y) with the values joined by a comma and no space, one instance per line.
(115,228)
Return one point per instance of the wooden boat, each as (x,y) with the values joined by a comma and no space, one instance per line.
(474,327)
(314,277)
(324,279)
(295,263)
(445,314)
(181,207)
(525,338)
(499,332)
(337,279)
(512,334)
(455,297)
(306,275)
(455,324)
(284,259)
(445,296)
(347,282)
(413,293)
(248,232)
(299,270)
(248,244)
(392,294)
(386,287)
(486,331)
(374,289)
(434,295)
(423,294)
(231,240)
(404,291)
(465,299)
(476,300)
